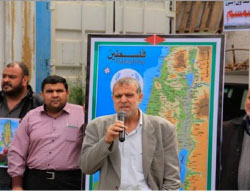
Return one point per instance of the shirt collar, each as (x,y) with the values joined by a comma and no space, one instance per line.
(246,118)
(139,126)
(65,109)
(140,120)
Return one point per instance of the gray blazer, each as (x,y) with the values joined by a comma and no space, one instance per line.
(159,147)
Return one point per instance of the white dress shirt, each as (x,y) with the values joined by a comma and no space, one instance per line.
(132,177)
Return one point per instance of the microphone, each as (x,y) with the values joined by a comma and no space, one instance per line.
(121,117)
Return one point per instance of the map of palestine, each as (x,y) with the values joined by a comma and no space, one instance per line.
(181,94)
(8,127)
(6,135)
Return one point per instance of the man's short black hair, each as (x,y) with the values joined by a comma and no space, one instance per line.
(54,79)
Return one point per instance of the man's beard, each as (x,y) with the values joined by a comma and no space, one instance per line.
(15,90)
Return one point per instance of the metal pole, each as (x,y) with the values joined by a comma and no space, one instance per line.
(2,32)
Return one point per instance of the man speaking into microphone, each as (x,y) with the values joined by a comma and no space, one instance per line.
(132,150)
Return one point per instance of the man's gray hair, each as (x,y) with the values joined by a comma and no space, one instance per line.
(128,80)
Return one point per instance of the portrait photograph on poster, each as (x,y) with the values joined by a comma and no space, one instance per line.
(182,80)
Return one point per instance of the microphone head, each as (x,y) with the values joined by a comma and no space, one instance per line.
(121,115)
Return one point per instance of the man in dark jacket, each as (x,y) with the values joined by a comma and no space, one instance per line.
(16,99)
(235,152)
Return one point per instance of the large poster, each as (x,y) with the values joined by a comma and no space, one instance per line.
(182,82)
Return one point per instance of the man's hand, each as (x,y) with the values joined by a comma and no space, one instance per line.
(17,189)
(3,156)
(113,131)
(17,183)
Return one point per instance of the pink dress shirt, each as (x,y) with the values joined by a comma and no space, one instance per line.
(46,143)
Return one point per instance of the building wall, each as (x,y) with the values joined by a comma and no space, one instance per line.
(72,21)
(17,34)
(2,28)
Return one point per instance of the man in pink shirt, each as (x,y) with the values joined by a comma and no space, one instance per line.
(45,151)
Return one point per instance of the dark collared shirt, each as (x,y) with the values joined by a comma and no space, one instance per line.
(30,101)
(14,113)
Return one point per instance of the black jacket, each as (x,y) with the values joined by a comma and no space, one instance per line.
(233,132)
(31,101)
